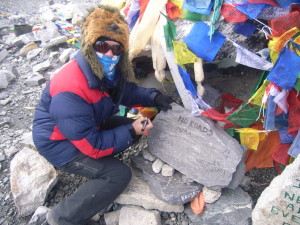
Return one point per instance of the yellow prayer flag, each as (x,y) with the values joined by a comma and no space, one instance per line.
(277,43)
(178,3)
(182,54)
(250,137)
(256,99)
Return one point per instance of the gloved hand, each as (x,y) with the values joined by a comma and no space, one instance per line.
(163,102)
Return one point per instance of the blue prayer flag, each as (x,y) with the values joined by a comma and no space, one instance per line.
(295,147)
(187,81)
(244,28)
(285,3)
(198,41)
(190,7)
(286,69)
(251,10)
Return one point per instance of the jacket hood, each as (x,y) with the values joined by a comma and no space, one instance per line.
(105,21)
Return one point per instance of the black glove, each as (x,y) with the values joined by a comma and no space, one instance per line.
(163,102)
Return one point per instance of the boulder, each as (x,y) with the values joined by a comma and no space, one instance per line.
(195,146)
(31,179)
(279,203)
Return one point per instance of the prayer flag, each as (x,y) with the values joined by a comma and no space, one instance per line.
(285,137)
(250,59)
(190,7)
(251,10)
(285,3)
(286,69)
(272,12)
(182,54)
(295,147)
(245,28)
(294,109)
(232,14)
(187,81)
(199,43)
(284,23)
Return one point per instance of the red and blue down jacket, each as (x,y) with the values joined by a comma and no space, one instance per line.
(72,108)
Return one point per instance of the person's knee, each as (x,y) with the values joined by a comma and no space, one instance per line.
(125,174)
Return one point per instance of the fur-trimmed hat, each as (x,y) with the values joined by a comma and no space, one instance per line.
(105,21)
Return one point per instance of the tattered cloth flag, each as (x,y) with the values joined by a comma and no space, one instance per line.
(294,109)
(285,3)
(187,81)
(190,6)
(250,59)
(286,69)
(215,16)
(272,12)
(172,10)
(269,2)
(251,10)
(281,101)
(259,94)
(199,43)
(245,116)
(297,84)
(198,4)
(182,54)
(285,137)
(247,29)
(284,23)
(170,33)
(269,122)
(295,147)
(231,14)
(250,137)
(281,155)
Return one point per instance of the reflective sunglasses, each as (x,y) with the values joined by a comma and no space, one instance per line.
(103,47)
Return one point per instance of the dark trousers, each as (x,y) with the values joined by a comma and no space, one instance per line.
(109,177)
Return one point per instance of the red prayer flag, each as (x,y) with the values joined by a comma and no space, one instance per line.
(269,2)
(231,14)
(281,155)
(293,100)
(284,23)
(215,115)
(143,4)
(230,102)
(172,10)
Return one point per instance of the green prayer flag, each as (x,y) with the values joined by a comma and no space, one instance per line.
(215,17)
(297,84)
(245,116)
(170,33)
(259,82)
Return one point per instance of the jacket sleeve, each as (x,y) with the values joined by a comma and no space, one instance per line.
(75,119)
(138,96)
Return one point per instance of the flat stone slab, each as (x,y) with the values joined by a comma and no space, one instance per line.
(195,146)
(169,189)
(279,203)
(234,207)
(138,193)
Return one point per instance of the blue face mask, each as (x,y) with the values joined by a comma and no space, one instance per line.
(109,64)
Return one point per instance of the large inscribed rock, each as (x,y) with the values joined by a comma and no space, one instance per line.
(280,202)
(195,146)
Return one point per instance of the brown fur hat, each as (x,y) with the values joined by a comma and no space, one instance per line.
(105,21)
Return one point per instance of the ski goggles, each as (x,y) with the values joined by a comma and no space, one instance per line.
(103,47)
